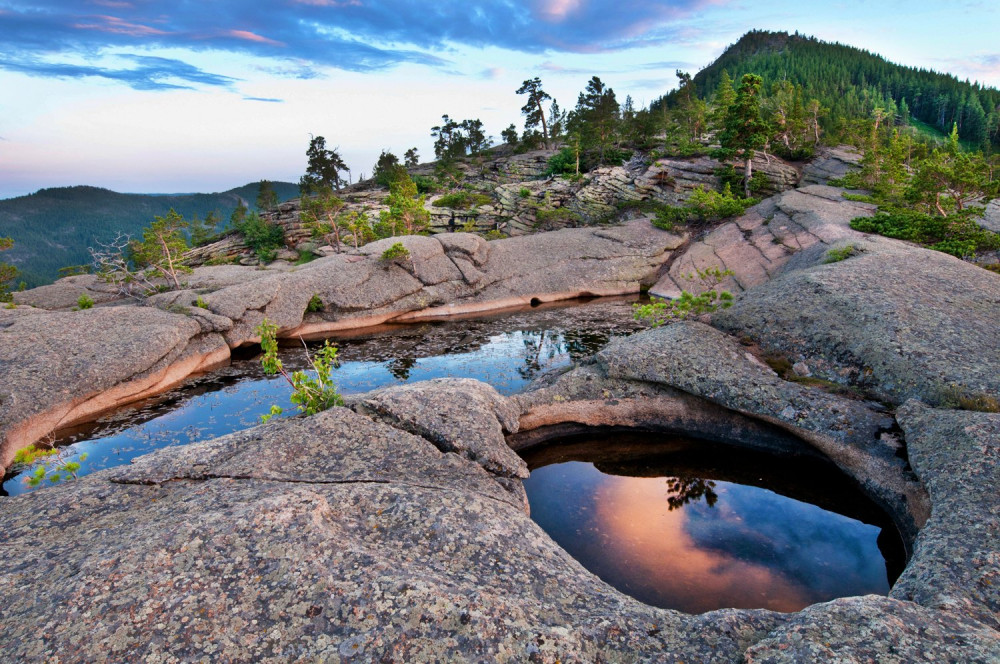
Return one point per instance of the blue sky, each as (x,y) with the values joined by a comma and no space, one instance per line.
(153,96)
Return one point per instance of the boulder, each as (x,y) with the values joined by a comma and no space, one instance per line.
(895,319)
(757,245)
(457,415)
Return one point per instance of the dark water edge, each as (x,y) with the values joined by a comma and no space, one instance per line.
(506,349)
(696,526)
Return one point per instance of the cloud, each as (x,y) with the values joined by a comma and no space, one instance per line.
(270,100)
(491,73)
(150,73)
(347,34)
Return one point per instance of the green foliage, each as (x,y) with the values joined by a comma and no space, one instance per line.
(840,254)
(953,396)
(261,236)
(509,135)
(310,394)
(524,192)
(556,218)
(494,234)
(201,303)
(54,465)
(564,161)
(957,234)
(457,139)
(703,205)
(534,114)
(387,169)
(462,200)
(660,311)
(7,272)
(847,83)
(161,247)
(425,185)
(596,118)
(324,167)
(411,158)
(84,302)
(315,304)
(397,252)
(406,213)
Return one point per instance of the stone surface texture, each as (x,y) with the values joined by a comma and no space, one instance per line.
(396,530)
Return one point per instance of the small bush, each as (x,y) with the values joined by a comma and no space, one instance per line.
(843,253)
(84,302)
(524,192)
(425,185)
(562,162)
(310,395)
(958,234)
(661,311)
(315,304)
(557,217)
(201,303)
(396,252)
(263,237)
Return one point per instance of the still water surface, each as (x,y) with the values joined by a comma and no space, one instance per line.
(668,531)
(506,350)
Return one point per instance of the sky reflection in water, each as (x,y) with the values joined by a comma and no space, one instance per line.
(507,351)
(752,549)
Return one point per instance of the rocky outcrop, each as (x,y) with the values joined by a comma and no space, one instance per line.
(956,567)
(899,321)
(153,350)
(830,163)
(62,368)
(333,537)
(757,245)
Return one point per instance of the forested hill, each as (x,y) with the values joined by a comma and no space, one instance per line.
(851,83)
(53,228)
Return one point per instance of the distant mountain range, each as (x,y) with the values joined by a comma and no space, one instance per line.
(53,228)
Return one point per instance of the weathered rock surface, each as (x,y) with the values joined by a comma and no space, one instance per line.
(896,319)
(830,163)
(62,368)
(332,538)
(447,274)
(956,566)
(756,246)
(457,415)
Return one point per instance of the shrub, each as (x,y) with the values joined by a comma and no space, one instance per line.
(524,192)
(425,185)
(494,234)
(263,237)
(201,303)
(315,304)
(562,162)
(310,395)
(397,252)
(84,302)
(559,216)
(958,234)
(843,253)
(660,311)
(55,465)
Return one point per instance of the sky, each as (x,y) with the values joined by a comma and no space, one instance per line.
(182,96)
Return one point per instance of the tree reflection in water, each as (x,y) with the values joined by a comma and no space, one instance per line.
(544,346)
(685,490)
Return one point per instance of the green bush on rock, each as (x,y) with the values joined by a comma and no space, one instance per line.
(309,394)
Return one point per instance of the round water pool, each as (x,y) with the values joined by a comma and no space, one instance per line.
(697,526)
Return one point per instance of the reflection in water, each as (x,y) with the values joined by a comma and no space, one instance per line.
(684,490)
(697,544)
(506,350)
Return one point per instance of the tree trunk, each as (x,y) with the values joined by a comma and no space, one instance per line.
(747,174)
(545,128)
(937,204)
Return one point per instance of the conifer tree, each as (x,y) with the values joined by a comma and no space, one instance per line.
(745,130)
(324,167)
(534,114)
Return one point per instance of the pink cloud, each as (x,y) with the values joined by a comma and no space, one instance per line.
(557,10)
(118,26)
(251,36)
(330,3)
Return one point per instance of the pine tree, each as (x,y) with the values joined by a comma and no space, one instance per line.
(534,114)
(745,130)
(267,197)
(323,170)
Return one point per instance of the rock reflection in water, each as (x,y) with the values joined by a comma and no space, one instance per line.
(697,544)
